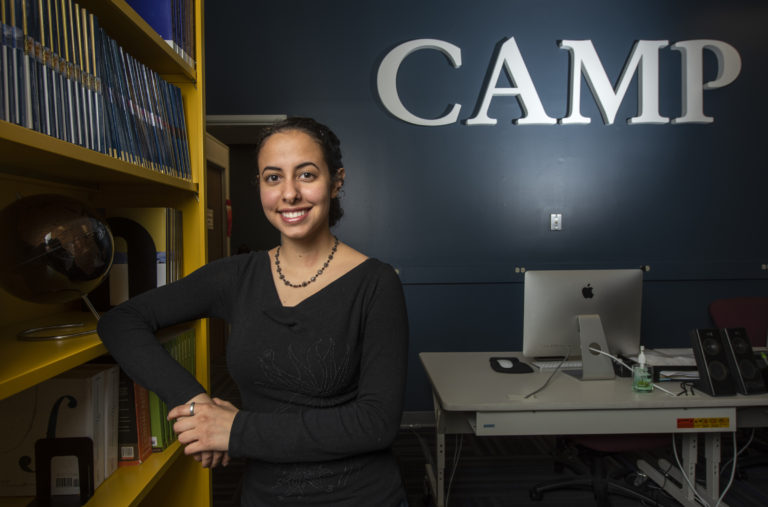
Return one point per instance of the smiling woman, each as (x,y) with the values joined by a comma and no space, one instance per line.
(296,184)
(318,346)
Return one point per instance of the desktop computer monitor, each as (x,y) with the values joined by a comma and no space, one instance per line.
(555,300)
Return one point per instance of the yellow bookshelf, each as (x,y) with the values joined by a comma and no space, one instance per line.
(33,162)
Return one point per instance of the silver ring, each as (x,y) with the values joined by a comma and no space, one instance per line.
(191,409)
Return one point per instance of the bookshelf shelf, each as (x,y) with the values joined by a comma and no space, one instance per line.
(34,362)
(33,154)
(129,485)
(126,487)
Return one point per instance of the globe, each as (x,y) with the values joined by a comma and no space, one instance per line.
(53,249)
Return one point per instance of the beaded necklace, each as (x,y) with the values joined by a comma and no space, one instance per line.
(320,271)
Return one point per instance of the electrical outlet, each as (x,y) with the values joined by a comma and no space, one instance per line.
(556,222)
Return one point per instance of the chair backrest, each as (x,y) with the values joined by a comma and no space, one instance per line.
(750,313)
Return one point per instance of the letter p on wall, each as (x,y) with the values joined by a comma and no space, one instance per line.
(728,69)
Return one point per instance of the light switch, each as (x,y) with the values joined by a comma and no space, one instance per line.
(556,221)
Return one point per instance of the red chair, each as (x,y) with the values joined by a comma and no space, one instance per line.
(595,450)
(751,313)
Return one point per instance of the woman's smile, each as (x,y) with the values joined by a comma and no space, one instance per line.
(294,216)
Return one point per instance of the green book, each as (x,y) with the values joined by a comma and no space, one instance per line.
(181,345)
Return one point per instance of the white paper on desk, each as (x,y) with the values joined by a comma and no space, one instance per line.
(679,375)
(668,357)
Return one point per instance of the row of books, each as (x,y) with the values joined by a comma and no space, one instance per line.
(62,75)
(90,401)
(174,21)
(144,427)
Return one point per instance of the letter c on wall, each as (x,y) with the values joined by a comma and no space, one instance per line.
(386,80)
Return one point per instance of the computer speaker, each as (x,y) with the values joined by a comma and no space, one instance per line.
(710,349)
(749,378)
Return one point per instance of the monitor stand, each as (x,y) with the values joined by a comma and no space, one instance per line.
(595,366)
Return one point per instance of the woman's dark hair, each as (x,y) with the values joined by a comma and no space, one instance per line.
(328,142)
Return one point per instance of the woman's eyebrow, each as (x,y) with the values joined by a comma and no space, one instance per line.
(305,164)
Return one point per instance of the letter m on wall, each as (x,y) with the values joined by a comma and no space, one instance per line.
(644,60)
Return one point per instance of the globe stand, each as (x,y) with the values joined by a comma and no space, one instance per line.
(49,333)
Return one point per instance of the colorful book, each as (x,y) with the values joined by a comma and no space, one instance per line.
(133,434)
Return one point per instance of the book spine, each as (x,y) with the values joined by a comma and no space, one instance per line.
(51,63)
(9,63)
(116,147)
(142,134)
(88,79)
(158,423)
(60,65)
(20,96)
(98,100)
(29,65)
(57,77)
(3,63)
(99,429)
(71,10)
(107,132)
(112,413)
(66,71)
(134,439)
(82,76)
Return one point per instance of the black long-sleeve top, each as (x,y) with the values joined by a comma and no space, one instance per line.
(321,383)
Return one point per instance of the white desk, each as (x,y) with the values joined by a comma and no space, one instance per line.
(469,397)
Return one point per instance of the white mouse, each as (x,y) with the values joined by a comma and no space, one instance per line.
(505,363)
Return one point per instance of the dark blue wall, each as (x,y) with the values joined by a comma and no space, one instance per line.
(457,208)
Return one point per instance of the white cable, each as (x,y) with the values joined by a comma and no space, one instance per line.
(657,386)
(733,466)
(733,473)
(598,351)
(546,382)
(456,456)
(744,448)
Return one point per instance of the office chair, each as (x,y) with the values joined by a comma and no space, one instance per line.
(751,313)
(596,449)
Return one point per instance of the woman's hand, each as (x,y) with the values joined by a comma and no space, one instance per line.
(205,434)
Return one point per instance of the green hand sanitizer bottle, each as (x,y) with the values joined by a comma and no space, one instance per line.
(642,376)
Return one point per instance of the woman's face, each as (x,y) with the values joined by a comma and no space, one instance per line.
(295,184)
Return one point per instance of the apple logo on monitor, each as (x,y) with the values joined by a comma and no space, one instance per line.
(588,291)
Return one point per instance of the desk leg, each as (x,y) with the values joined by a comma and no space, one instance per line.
(440,443)
(712,452)
(690,457)
(436,473)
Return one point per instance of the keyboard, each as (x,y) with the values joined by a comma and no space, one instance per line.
(573,364)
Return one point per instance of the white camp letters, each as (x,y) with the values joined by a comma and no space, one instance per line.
(643,61)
